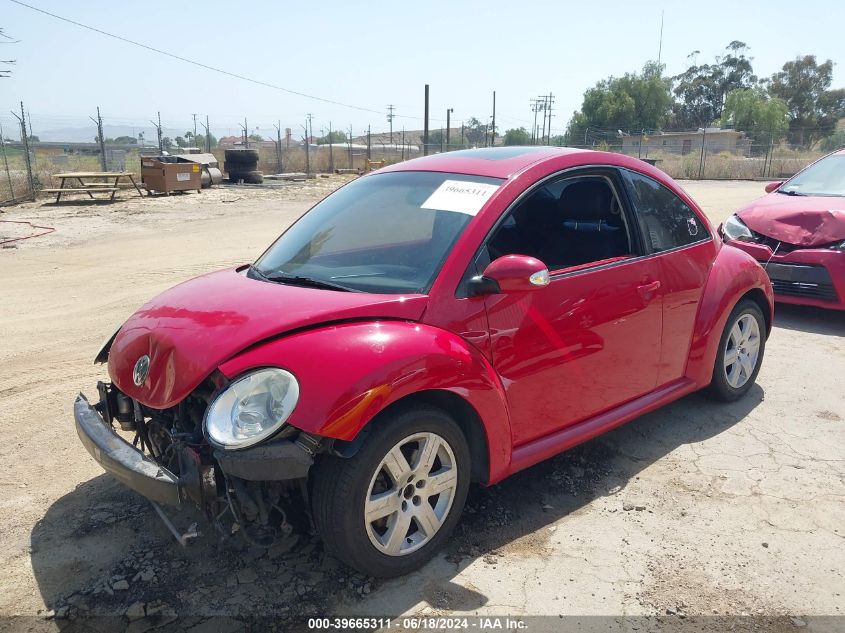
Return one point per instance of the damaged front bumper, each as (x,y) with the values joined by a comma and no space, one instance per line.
(272,461)
(122,460)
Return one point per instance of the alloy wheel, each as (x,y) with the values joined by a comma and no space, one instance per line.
(742,350)
(410,494)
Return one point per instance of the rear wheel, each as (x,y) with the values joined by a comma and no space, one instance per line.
(388,509)
(740,352)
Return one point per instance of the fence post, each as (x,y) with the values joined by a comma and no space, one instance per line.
(701,158)
(6,164)
(27,157)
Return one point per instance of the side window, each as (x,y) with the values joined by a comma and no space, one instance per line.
(569,222)
(666,221)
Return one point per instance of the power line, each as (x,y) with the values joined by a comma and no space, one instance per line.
(206,66)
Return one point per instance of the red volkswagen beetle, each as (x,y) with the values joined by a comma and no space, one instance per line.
(451,319)
(798,233)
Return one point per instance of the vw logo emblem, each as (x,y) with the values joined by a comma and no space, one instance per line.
(142,368)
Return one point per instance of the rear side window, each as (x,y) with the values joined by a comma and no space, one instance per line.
(666,221)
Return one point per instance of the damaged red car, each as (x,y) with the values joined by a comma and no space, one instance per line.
(797,232)
(451,319)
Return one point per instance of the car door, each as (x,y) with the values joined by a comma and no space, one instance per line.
(588,341)
(684,250)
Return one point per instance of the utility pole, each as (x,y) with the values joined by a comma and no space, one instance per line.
(207,135)
(307,149)
(390,116)
(534,108)
(493,136)
(157,126)
(425,125)
(551,100)
(448,125)
(278,147)
(309,127)
(331,150)
(351,159)
(245,128)
(660,46)
(100,139)
(195,127)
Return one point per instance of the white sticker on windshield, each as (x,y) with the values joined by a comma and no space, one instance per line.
(460,196)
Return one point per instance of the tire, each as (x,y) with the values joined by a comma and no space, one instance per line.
(229,167)
(341,487)
(241,156)
(732,382)
(252,177)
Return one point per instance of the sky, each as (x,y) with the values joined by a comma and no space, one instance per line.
(370,54)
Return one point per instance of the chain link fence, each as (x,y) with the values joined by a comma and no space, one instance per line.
(28,165)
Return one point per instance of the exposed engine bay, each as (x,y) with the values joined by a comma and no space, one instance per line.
(248,492)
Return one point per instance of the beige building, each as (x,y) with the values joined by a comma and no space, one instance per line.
(714,139)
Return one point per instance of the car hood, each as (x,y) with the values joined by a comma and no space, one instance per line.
(189,330)
(799,220)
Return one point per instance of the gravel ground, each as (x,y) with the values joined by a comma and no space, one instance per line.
(695,510)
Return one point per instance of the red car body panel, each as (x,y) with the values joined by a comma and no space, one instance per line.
(189,330)
(377,364)
(733,275)
(543,369)
(799,220)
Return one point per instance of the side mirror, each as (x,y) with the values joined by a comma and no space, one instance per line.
(773,185)
(511,273)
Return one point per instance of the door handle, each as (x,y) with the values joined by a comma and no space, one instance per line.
(647,290)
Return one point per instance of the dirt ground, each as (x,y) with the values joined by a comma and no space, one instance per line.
(699,509)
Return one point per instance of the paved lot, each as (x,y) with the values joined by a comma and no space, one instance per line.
(698,508)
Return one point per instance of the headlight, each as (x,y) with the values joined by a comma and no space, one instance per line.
(252,408)
(734,229)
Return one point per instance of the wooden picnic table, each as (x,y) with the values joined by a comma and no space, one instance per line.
(84,178)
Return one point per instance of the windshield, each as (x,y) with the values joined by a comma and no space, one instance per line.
(386,233)
(824,178)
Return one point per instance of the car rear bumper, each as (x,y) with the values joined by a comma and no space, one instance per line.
(808,276)
(122,460)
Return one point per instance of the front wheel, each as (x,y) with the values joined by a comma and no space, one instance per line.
(389,508)
(740,352)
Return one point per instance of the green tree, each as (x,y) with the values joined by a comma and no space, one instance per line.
(199,140)
(255,137)
(804,85)
(180,142)
(126,140)
(753,111)
(631,102)
(166,143)
(475,131)
(337,136)
(517,136)
(701,90)
(33,138)
(834,141)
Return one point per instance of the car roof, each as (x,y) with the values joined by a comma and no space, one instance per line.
(493,162)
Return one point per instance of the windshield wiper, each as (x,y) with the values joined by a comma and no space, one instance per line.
(791,192)
(299,280)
